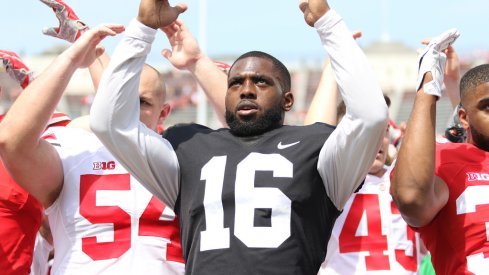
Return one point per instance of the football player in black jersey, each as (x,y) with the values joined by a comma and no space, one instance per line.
(260,197)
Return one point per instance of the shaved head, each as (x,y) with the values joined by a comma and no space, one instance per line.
(473,78)
(152,79)
(152,97)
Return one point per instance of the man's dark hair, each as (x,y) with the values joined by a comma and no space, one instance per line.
(473,78)
(283,72)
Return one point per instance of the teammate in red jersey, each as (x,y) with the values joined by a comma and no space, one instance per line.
(442,189)
(20,213)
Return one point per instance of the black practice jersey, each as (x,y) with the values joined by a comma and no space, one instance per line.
(252,205)
(247,206)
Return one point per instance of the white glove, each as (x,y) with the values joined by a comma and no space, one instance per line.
(433,60)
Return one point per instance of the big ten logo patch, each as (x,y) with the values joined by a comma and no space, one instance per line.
(104,165)
(477,176)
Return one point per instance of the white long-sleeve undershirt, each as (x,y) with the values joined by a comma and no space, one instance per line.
(344,159)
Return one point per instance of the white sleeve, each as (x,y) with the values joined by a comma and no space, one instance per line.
(40,258)
(114,118)
(349,152)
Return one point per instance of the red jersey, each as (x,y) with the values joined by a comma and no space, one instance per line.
(458,237)
(20,219)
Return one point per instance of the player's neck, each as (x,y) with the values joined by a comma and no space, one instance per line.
(378,173)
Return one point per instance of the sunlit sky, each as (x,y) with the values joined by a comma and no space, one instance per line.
(276,26)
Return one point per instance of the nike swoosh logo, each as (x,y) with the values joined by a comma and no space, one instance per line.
(281,146)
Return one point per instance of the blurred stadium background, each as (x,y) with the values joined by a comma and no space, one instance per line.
(394,64)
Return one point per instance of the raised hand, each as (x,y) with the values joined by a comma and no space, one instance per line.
(86,49)
(452,75)
(433,60)
(313,10)
(452,68)
(185,50)
(13,65)
(70,27)
(158,13)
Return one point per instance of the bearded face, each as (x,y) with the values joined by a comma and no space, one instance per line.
(271,119)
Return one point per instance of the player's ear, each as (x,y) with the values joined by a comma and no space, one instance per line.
(288,101)
(462,116)
(165,111)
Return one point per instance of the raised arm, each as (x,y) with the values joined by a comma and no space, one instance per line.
(33,162)
(186,55)
(454,131)
(114,116)
(417,192)
(348,153)
(323,106)
(451,77)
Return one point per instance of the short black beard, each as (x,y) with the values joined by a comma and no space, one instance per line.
(480,141)
(270,120)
